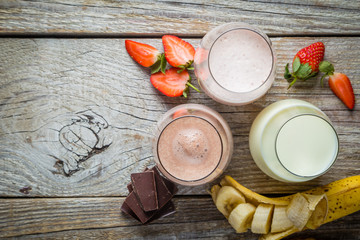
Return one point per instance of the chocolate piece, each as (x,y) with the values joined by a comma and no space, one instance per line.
(129,187)
(132,202)
(169,184)
(126,209)
(145,189)
(163,193)
(149,190)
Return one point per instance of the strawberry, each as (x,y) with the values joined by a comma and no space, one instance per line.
(305,63)
(172,83)
(178,53)
(339,83)
(146,55)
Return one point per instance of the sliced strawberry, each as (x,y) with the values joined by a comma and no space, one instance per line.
(341,86)
(172,83)
(146,55)
(305,63)
(178,53)
(339,83)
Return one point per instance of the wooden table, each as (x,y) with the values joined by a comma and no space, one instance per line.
(77,114)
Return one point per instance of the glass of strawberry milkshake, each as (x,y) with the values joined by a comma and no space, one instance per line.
(193,144)
(235,64)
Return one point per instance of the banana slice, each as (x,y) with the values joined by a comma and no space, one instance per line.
(262,218)
(227,199)
(280,221)
(298,211)
(240,217)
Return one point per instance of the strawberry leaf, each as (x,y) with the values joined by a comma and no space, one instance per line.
(287,74)
(296,64)
(162,63)
(313,74)
(155,67)
(303,71)
(186,92)
(326,67)
(181,69)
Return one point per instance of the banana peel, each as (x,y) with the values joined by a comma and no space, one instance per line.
(251,196)
(307,210)
(343,197)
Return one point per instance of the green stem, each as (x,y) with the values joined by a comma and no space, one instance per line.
(292,83)
(192,86)
(322,79)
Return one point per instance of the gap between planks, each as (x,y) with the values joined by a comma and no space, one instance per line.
(151,36)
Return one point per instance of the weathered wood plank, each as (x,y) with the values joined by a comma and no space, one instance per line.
(77,116)
(187,18)
(100,218)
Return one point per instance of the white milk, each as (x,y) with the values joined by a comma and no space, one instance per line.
(293,141)
(240,60)
(306,145)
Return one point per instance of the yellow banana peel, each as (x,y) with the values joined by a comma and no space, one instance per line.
(251,196)
(324,204)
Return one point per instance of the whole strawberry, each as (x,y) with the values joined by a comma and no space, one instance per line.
(305,63)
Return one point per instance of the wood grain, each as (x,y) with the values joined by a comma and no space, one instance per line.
(100,218)
(77,117)
(185,17)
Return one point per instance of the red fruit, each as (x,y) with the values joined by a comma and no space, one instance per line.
(172,83)
(341,86)
(312,54)
(143,54)
(178,53)
(305,63)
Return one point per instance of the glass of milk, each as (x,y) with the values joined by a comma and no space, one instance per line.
(235,64)
(293,141)
(193,144)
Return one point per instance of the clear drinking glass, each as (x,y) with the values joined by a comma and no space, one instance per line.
(193,144)
(235,64)
(293,141)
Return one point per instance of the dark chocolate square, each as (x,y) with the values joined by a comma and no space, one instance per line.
(169,184)
(132,202)
(145,189)
(126,209)
(129,187)
(163,193)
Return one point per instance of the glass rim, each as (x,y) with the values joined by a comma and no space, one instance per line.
(199,179)
(259,34)
(332,161)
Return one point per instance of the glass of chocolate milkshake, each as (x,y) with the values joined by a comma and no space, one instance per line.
(193,144)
